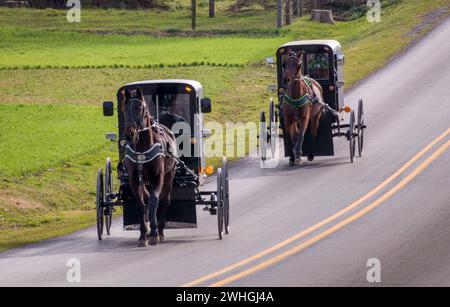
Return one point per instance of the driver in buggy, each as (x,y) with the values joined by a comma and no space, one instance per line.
(173,110)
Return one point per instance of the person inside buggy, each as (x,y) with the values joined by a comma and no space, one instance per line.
(318,66)
(173,108)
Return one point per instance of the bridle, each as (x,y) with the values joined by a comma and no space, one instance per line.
(296,77)
(143,116)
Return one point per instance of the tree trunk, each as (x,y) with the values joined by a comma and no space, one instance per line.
(288,12)
(212,9)
(295,8)
(279,14)
(300,8)
(193,14)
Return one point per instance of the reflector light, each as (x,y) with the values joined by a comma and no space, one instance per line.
(209,169)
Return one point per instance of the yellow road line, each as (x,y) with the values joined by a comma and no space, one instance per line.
(338,226)
(322,223)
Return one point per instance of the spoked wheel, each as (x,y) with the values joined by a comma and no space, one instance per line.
(100,200)
(263,136)
(220,202)
(108,193)
(351,136)
(226,196)
(360,127)
(273,129)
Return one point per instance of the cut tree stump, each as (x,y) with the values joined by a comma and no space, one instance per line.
(325,16)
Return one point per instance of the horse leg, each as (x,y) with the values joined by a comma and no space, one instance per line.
(162,211)
(302,126)
(314,127)
(141,203)
(293,133)
(164,205)
(153,209)
(300,133)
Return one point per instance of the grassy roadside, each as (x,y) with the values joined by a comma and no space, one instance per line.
(49,203)
(57,199)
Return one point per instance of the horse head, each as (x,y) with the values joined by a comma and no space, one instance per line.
(291,68)
(137,115)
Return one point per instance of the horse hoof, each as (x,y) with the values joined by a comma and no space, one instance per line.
(298,162)
(161,238)
(310,158)
(153,240)
(142,243)
(291,162)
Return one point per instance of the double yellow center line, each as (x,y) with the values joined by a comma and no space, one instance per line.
(328,220)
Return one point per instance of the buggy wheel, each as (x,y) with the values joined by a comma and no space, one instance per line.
(263,136)
(219,199)
(108,193)
(273,129)
(100,200)
(226,196)
(351,136)
(360,128)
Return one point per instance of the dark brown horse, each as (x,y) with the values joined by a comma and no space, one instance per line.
(302,105)
(150,163)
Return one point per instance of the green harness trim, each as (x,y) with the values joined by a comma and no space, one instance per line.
(302,101)
(299,102)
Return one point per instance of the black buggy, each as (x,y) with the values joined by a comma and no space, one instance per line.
(170,102)
(323,61)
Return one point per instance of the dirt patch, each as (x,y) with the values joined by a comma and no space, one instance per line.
(9,199)
(429,19)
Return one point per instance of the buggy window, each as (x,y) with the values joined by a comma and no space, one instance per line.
(170,108)
(318,66)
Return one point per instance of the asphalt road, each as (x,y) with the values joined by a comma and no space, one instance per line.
(404,223)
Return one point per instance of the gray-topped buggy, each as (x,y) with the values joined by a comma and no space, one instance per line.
(169,102)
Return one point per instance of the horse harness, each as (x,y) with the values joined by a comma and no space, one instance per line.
(156,150)
(308,98)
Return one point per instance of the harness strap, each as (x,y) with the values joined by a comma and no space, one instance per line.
(147,156)
(299,102)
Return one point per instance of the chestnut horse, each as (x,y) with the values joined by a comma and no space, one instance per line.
(150,162)
(302,105)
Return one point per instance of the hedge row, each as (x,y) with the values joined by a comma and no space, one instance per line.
(148,66)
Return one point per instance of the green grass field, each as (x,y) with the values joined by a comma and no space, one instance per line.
(42,136)
(26,48)
(155,22)
(52,129)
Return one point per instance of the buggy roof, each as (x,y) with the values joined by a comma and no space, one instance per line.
(334,45)
(194,84)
